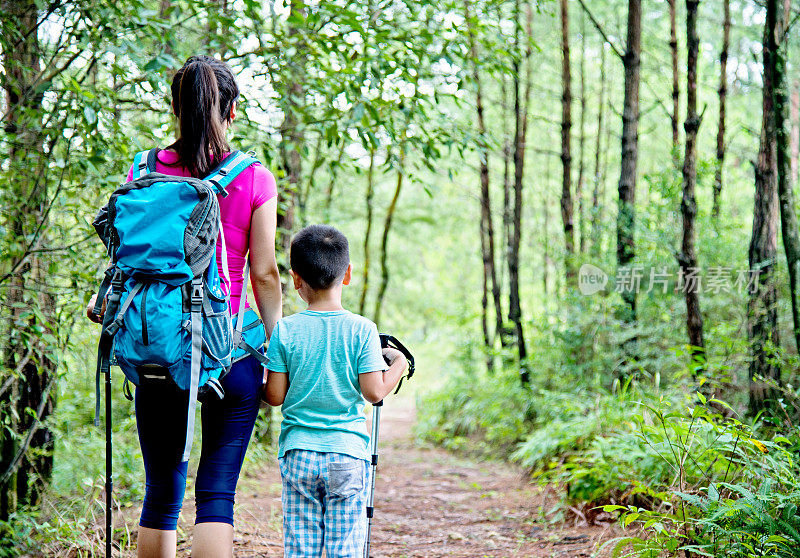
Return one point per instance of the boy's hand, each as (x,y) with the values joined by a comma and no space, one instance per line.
(380,383)
(391,355)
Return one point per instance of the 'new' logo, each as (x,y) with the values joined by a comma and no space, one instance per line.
(591,279)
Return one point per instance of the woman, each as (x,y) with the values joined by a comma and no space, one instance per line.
(204,94)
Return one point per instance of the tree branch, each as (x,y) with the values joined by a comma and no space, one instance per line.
(600,29)
(12,467)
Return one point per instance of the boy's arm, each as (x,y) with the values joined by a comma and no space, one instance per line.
(377,385)
(276,387)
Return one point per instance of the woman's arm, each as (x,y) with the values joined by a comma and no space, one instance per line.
(276,388)
(264,275)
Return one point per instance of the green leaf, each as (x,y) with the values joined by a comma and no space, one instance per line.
(90,115)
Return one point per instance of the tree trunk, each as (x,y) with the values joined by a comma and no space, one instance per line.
(486,225)
(795,118)
(762,314)
(546,234)
(626,249)
(676,88)
(291,132)
(305,189)
(368,201)
(687,259)
(487,336)
(26,443)
(566,148)
(520,131)
(785,177)
(387,225)
(582,144)
(164,13)
(595,250)
(505,333)
(333,170)
(723,90)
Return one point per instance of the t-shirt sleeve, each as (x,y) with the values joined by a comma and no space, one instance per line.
(276,351)
(264,187)
(371,358)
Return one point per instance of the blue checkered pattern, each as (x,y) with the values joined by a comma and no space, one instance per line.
(324,504)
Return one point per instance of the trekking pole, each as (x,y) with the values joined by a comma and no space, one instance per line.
(107,332)
(376,422)
(104,368)
(386,341)
(109,464)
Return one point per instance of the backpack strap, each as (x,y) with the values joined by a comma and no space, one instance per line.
(229,169)
(144,163)
(196,362)
(108,276)
(226,272)
(238,337)
(112,321)
(243,295)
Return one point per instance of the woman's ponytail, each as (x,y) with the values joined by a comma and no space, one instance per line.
(203,93)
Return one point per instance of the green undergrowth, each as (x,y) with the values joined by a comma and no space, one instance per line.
(70,520)
(688,475)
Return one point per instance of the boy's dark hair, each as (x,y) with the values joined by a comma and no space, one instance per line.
(320,255)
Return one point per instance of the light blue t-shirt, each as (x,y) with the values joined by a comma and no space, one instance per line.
(323,353)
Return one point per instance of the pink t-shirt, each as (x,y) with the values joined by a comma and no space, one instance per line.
(254,186)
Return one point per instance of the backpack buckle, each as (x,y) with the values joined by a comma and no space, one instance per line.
(117,280)
(112,328)
(197,294)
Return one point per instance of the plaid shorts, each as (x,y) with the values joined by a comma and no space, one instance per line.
(324,504)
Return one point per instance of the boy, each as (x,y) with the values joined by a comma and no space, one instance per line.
(323,363)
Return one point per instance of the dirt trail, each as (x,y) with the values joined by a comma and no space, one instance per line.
(429,503)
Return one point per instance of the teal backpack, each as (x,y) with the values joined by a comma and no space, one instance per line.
(167,318)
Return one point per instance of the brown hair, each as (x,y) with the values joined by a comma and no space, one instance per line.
(203,93)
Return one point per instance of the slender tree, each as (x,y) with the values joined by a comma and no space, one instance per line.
(722,91)
(307,186)
(626,201)
(521,102)
(595,214)
(486,224)
(26,382)
(626,215)
(795,118)
(676,88)
(566,143)
(368,198)
(387,225)
(291,129)
(783,160)
(546,235)
(687,259)
(504,331)
(762,313)
(333,171)
(582,144)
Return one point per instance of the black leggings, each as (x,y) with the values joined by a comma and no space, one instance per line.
(226,425)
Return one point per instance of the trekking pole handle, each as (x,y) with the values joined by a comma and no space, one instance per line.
(389,341)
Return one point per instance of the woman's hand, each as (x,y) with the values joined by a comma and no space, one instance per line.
(89,310)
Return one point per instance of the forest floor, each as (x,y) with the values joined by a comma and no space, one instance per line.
(429,503)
